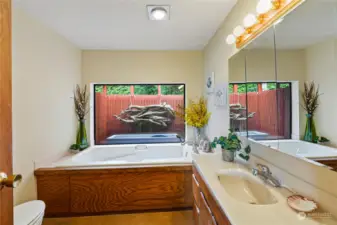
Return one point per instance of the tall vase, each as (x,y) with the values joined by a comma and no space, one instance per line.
(199,135)
(310,134)
(81,138)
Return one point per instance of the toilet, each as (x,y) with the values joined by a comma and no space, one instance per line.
(29,213)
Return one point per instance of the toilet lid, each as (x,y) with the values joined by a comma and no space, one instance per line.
(27,212)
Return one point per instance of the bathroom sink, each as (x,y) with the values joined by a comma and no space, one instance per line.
(245,187)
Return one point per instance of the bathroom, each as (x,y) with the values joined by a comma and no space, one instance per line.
(245,63)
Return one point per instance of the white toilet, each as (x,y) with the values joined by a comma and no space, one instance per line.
(29,213)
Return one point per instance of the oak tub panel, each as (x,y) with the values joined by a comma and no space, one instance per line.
(97,191)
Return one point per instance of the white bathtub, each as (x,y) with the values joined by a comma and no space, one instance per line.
(129,155)
(302,148)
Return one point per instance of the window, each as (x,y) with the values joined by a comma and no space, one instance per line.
(261,109)
(138,114)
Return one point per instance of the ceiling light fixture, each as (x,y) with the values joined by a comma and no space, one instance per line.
(158,12)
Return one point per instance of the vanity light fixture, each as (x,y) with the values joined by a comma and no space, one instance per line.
(157,12)
(269,12)
(230,39)
(249,21)
(279,21)
(238,31)
(263,6)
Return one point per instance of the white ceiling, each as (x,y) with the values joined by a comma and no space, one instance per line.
(124,24)
(312,22)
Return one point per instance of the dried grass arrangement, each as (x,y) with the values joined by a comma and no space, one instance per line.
(310,97)
(81,101)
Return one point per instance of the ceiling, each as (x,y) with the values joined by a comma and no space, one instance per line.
(312,22)
(124,24)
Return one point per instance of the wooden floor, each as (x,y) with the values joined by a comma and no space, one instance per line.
(151,218)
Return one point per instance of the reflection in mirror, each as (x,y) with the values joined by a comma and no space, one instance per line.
(306,44)
(237,94)
(261,88)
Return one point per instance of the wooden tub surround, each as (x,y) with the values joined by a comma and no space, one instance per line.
(78,192)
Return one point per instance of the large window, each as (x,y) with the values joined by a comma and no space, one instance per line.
(138,113)
(264,113)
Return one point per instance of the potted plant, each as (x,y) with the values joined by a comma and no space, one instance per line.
(81,102)
(322,141)
(230,145)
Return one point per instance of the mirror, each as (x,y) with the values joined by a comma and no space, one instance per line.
(237,93)
(261,88)
(306,43)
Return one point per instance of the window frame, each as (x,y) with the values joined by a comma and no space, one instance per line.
(92,111)
(277,87)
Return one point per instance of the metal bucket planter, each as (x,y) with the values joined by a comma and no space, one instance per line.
(228,156)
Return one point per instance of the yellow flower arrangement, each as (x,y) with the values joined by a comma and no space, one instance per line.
(196,113)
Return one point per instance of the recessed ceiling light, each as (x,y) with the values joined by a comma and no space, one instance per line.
(157,12)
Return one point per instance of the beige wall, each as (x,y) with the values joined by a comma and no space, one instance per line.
(145,67)
(321,68)
(216,55)
(260,65)
(45,69)
(306,178)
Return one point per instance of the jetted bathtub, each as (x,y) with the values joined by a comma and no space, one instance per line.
(130,155)
(118,179)
(307,151)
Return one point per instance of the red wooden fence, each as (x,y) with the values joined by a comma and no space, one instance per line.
(267,113)
(106,106)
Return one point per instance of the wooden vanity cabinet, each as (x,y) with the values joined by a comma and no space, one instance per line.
(206,210)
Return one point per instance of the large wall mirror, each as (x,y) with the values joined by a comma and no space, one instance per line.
(261,88)
(237,94)
(296,57)
(306,49)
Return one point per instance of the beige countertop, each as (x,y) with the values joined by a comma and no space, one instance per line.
(240,213)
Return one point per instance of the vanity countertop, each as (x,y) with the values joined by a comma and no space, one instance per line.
(240,213)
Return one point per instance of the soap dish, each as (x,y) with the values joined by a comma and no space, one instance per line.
(301,204)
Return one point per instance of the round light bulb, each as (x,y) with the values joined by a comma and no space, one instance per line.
(249,20)
(238,31)
(159,13)
(263,6)
(230,39)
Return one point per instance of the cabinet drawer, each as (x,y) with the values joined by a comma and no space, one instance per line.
(196,214)
(206,217)
(196,190)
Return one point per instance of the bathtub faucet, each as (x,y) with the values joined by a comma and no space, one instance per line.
(183,142)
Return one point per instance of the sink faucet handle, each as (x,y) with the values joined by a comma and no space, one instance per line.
(263,168)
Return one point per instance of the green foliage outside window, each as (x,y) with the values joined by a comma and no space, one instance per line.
(173,89)
(118,90)
(99,89)
(284,85)
(142,89)
(252,87)
(230,88)
(146,89)
(271,86)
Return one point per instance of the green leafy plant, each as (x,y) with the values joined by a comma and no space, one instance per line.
(232,143)
(321,140)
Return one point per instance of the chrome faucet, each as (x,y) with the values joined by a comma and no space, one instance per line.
(183,142)
(265,174)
